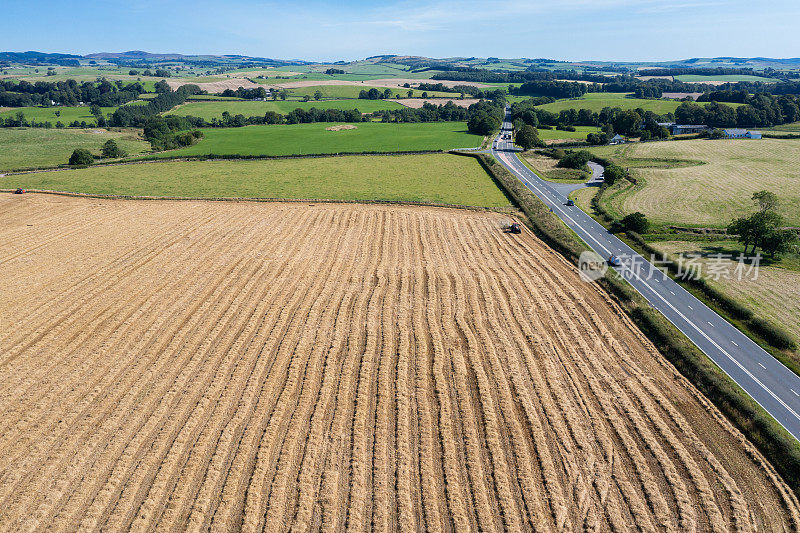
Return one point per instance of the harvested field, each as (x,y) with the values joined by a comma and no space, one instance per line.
(227,366)
(417,103)
(215,86)
(717,189)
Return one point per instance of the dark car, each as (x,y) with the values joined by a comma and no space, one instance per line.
(614,261)
(570,202)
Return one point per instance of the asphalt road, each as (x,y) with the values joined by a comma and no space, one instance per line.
(765,379)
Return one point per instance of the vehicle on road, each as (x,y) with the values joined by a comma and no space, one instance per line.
(613,260)
(570,202)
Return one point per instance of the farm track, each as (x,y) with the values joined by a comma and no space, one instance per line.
(275,367)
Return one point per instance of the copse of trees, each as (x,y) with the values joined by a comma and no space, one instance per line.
(137,115)
(375,94)
(166,133)
(247,94)
(575,159)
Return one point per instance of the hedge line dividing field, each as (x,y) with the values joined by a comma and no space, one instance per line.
(777,445)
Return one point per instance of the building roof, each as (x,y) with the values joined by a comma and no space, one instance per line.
(735,131)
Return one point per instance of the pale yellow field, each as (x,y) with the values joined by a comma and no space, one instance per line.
(714,193)
(193,366)
(774,294)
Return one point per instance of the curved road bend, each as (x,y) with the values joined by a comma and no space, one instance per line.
(764,378)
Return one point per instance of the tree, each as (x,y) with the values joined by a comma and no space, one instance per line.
(755,229)
(767,201)
(95,110)
(527,137)
(576,160)
(306,98)
(284,93)
(317,95)
(613,173)
(162,87)
(410,93)
(481,123)
(778,241)
(111,149)
(636,222)
(81,158)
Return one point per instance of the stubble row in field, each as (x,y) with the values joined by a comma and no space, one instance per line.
(192,366)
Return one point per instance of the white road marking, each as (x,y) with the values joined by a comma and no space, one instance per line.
(690,307)
(672,293)
(709,323)
(734,343)
(794,392)
(762,366)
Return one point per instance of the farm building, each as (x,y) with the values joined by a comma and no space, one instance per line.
(681,129)
(617,139)
(740,133)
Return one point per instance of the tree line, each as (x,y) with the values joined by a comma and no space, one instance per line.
(67,93)
(759,110)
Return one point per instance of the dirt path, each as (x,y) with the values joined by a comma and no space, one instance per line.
(226,366)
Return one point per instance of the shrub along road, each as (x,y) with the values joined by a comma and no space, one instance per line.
(765,379)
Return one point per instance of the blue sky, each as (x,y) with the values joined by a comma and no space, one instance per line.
(567,29)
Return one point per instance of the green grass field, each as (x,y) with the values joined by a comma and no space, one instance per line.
(580,133)
(36,147)
(304,139)
(793,127)
(209,110)
(437,178)
(722,77)
(68,114)
(714,190)
(597,101)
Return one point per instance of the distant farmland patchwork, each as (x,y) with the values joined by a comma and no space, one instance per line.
(597,101)
(267,367)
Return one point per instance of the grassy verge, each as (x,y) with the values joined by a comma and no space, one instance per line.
(772,440)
